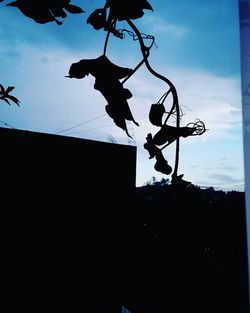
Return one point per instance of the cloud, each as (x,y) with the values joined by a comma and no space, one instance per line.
(224,172)
(159,26)
(223,178)
(226,182)
(49,100)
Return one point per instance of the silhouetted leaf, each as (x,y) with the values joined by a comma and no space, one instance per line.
(14,99)
(178,181)
(162,165)
(107,75)
(9,89)
(129,9)
(58,12)
(100,66)
(45,11)
(151,147)
(119,120)
(116,96)
(6,100)
(97,19)
(155,114)
(5,96)
(168,134)
(71,8)
(127,93)
(39,13)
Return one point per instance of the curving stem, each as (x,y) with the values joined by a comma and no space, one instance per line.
(106,43)
(145,54)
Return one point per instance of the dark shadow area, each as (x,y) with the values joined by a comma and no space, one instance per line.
(76,233)
(189,251)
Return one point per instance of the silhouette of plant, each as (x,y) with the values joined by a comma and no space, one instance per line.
(47,10)
(5,95)
(108,75)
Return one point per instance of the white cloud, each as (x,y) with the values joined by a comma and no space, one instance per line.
(159,26)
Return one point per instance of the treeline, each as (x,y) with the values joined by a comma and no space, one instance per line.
(185,249)
(169,249)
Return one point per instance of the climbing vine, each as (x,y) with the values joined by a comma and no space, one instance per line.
(110,78)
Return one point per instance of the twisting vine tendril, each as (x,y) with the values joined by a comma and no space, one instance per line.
(172,89)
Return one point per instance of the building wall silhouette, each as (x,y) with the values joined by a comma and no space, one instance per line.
(64,202)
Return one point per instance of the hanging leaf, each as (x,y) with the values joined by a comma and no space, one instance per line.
(98,67)
(71,8)
(118,119)
(38,12)
(116,96)
(129,9)
(168,134)
(156,113)
(45,11)
(97,19)
(107,75)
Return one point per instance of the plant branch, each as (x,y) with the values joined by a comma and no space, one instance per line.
(145,53)
(106,42)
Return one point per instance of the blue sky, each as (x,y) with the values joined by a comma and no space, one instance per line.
(197,48)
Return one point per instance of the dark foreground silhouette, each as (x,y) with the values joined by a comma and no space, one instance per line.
(163,249)
(77,235)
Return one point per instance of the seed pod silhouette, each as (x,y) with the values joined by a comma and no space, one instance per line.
(161,164)
(156,113)
(168,134)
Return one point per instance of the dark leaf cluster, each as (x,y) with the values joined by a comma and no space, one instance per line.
(117,11)
(107,75)
(45,11)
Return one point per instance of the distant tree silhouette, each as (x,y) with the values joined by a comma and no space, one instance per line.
(108,75)
(5,95)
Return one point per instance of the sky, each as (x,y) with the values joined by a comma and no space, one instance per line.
(197,47)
